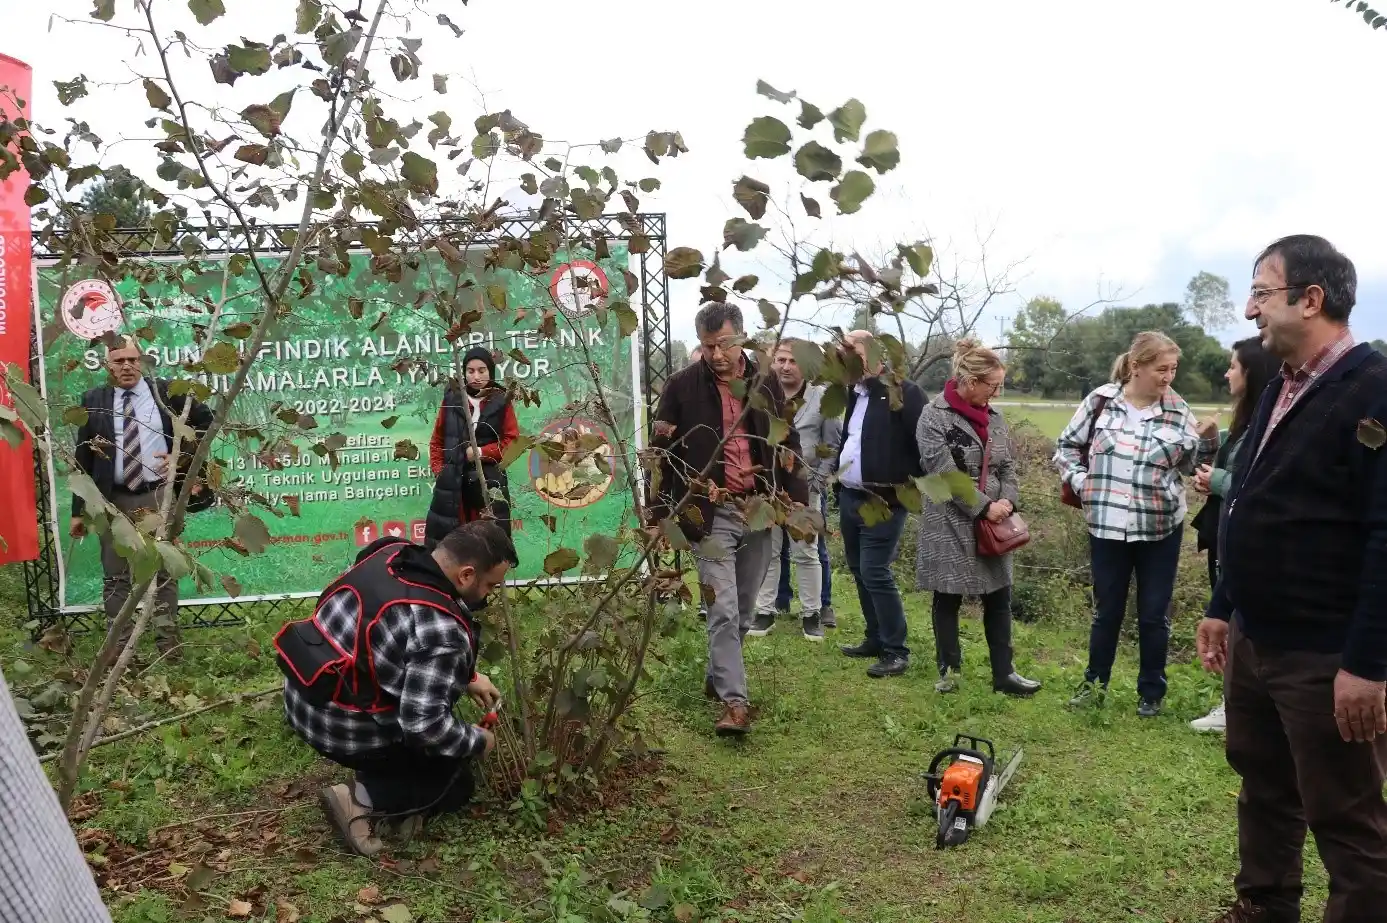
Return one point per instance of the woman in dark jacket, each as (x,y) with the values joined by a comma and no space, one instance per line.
(1250,369)
(459,495)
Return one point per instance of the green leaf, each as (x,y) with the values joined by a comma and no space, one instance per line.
(517,448)
(307,15)
(835,399)
(760,514)
(874,512)
(909,496)
(779,429)
(766,137)
(683,263)
(71,90)
(742,234)
(104,10)
(920,256)
(420,172)
(252,533)
(206,10)
(827,265)
(158,99)
(765,89)
(961,486)
(129,540)
(221,358)
(76,416)
(811,206)
(28,403)
(556,562)
(251,58)
(847,120)
(809,115)
(1372,434)
(770,314)
(601,551)
(338,45)
(649,184)
(815,162)
(674,535)
(626,317)
(83,486)
(810,359)
(11,432)
(752,194)
(880,152)
(745,284)
(176,560)
(655,897)
(934,487)
(852,191)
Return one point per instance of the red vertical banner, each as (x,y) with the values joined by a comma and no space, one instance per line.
(19,537)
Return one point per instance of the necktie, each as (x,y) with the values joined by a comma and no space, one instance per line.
(130,446)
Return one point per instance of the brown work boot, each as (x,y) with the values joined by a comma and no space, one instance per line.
(347,818)
(710,692)
(1244,911)
(735,721)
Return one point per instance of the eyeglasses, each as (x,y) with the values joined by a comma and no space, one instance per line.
(1259,296)
(126,361)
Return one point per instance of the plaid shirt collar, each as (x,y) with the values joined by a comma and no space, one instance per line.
(1320,362)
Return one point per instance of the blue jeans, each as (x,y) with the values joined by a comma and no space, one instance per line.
(870,550)
(782,597)
(1114,563)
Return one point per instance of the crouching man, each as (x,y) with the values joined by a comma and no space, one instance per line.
(372,678)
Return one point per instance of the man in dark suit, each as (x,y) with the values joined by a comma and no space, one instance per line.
(878,452)
(124,447)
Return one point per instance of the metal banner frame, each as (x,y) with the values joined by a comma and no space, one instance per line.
(41,575)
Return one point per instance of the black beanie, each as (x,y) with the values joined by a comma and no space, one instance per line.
(482,353)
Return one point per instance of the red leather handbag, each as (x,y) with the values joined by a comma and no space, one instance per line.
(997,538)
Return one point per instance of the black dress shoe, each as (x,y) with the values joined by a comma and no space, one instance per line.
(1017,685)
(864,649)
(888,665)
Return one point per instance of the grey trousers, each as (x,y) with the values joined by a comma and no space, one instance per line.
(116,586)
(735,579)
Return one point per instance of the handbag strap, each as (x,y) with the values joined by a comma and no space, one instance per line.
(1098,407)
(982,473)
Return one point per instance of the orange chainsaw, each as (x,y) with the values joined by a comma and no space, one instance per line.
(965,785)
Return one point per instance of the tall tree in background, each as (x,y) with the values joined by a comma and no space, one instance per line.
(1380,346)
(120,194)
(1207,302)
(1034,329)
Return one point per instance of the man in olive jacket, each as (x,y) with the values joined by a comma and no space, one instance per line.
(699,405)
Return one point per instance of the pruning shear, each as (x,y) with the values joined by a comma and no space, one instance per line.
(490,719)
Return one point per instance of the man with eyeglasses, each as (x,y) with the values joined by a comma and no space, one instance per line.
(718,466)
(124,447)
(1298,622)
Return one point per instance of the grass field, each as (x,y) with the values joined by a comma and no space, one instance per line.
(818,816)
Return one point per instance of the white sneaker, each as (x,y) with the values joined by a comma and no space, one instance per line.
(1214,722)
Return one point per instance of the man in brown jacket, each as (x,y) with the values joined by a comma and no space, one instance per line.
(701,404)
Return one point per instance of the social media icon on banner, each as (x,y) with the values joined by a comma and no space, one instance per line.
(394,529)
(366,533)
(416,530)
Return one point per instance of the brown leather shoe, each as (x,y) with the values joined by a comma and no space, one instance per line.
(734,721)
(709,692)
(1244,911)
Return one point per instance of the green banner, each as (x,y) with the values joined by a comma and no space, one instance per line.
(365,358)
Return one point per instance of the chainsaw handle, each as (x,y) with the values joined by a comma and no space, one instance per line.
(934,777)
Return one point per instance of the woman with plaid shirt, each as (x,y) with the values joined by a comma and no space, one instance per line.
(1123,454)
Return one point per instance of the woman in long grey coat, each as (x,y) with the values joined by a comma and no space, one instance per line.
(953,430)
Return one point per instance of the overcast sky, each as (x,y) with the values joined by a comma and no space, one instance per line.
(1100,147)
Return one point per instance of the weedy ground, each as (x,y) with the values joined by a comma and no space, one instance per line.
(820,815)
